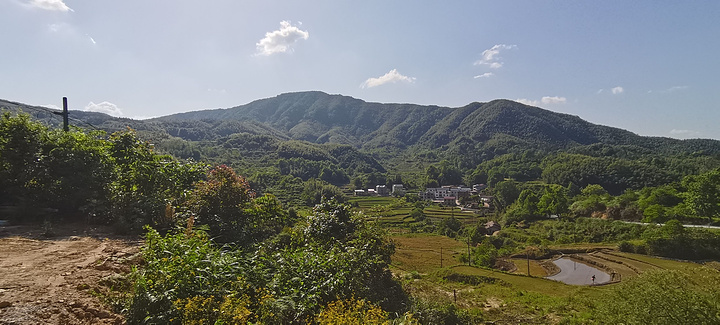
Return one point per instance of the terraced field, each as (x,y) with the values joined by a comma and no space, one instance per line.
(391,212)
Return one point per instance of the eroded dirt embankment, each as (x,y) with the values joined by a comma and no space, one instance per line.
(56,280)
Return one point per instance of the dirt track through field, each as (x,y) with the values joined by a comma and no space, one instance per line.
(55,281)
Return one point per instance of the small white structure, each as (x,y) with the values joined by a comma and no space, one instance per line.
(398,189)
(479,187)
(439,193)
(382,190)
(360,193)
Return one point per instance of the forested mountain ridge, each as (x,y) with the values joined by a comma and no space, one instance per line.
(322,118)
(319,117)
(340,139)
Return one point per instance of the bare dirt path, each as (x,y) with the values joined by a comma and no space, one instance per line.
(57,280)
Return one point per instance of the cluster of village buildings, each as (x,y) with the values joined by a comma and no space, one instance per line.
(448,195)
(382,190)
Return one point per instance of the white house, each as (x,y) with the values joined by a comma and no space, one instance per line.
(439,193)
(382,190)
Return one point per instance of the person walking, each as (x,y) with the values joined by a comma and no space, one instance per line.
(593,279)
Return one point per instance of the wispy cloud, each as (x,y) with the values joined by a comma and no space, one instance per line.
(617,90)
(56,28)
(491,56)
(669,90)
(528,101)
(484,75)
(547,100)
(92,39)
(684,133)
(391,77)
(53,5)
(675,88)
(553,100)
(104,107)
(280,41)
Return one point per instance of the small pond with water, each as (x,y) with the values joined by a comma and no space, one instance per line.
(573,272)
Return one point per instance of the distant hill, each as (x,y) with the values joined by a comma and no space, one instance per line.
(473,133)
(322,118)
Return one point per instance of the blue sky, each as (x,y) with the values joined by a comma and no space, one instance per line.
(647,66)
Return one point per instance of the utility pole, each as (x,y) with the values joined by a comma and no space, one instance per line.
(65,114)
(527,255)
(468,251)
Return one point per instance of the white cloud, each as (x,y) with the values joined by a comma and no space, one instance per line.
(600,91)
(56,27)
(392,76)
(676,131)
(143,117)
(684,133)
(675,88)
(669,90)
(52,106)
(491,56)
(54,5)
(617,90)
(279,41)
(528,102)
(545,100)
(104,107)
(553,100)
(92,40)
(485,75)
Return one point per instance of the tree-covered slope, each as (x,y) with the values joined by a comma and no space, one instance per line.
(321,118)
(476,131)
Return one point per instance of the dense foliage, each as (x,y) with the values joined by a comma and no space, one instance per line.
(117,179)
(325,261)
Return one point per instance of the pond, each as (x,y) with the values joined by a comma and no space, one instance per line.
(576,273)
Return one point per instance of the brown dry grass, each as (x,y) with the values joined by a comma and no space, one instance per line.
(536,268)
(421,252)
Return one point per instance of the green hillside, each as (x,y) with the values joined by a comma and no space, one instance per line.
(321,118)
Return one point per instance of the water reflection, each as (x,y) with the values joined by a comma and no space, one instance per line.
(572,272)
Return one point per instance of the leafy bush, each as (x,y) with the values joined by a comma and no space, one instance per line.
(331,256)
(449,227)
(146,183)
(220,203)
(122,180)
(351,312)
(334,255)
(184,272)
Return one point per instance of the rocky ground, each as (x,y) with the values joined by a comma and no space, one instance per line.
(63,278)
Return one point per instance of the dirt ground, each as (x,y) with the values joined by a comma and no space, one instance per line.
(61,279)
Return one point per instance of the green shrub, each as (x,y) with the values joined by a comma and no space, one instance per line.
(183,270)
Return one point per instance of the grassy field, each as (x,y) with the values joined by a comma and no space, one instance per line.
(430,266)
(393,212)
(521,264)
(422,252)
(438,212)
(514,298)
(366,202)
